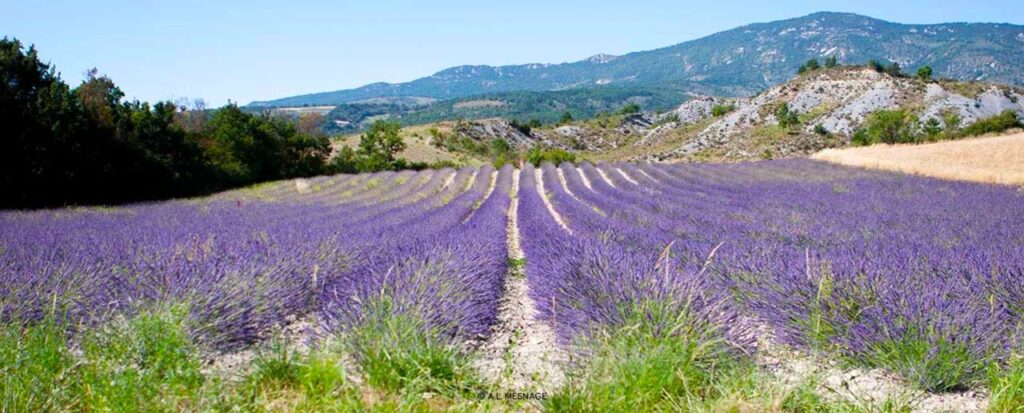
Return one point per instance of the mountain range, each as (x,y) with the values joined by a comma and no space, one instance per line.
(736,62)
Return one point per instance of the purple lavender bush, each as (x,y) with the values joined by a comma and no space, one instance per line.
(247,260)
(917,275)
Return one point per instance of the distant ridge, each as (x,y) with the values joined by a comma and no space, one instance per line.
(739,61)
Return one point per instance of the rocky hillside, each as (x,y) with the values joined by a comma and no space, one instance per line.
(736,62)
(828,106)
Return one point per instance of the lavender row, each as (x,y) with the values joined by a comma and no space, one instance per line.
(450,279)
(241,266)
(875,257)
(597,272)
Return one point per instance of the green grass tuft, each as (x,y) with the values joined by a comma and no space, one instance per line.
(146,362)
(398,352)
(935,367)
(1006,384)
(35,368)
(660,359)
(283,379)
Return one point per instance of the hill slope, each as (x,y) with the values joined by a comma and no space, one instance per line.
(829,106)
(734,62)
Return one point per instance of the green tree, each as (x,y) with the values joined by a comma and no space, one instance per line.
(380,145)
(809,66)
(831,62)
(85,145)
(924,73)
(566,118)
(345,161)
(786,117)
(241,147)
(629,109)
(887,126)
(305,154)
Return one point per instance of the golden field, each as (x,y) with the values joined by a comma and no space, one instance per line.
(997,159)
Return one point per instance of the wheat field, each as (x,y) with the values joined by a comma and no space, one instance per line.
(997,159)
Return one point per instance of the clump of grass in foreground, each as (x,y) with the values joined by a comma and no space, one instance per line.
(665,358)
(146,362)
(283,379)
(661,358)
(933,366)
(400,354)
(35,368)
(1006,384)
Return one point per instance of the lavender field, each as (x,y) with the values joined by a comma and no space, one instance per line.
(656,280)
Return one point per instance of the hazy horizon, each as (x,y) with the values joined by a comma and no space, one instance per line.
(265,50)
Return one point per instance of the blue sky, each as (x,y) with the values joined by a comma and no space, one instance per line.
(244,51)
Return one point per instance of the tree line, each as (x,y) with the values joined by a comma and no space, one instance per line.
(65,145)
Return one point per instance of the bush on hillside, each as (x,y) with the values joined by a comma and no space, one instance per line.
(809,66)
(629,109)
(786,117)
(924,73)
(538,156)
(719,110)
(1006,120)
(887,126)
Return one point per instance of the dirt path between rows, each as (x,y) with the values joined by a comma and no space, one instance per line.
(522,353)
(604,176)
(626,176)
(547,202)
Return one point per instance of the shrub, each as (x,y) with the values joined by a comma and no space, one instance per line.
(820,130)
(566,118)
(951,120)
(525,128)
(809,66)
(719,110)
(887,126)
(998,123)
(629,109)
(932,128)
(538,156)
(499,146)
(831,62)
(786,117)
(444,164)
(924,73)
